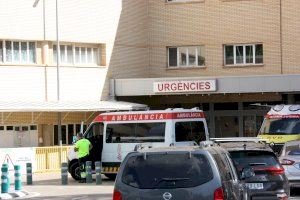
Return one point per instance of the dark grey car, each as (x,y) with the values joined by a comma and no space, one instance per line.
(269,181)
(178,173)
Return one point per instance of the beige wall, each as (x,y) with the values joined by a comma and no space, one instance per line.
(214,23)
(291,36)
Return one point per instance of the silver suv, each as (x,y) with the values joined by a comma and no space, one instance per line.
(178,173)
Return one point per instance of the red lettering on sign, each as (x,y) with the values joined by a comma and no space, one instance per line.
(282,116)
(160,87)
(207,85)
(149,116)
(167,86)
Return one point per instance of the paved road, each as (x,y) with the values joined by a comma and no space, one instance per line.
(48,187)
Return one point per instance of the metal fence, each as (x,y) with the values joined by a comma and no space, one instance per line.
(50,158)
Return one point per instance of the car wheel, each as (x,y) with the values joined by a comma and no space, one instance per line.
(111,176)
(75,172)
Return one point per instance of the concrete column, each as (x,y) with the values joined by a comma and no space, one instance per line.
(241,120)
(45,53)
(212,126)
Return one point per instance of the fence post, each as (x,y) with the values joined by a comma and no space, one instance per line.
(64,173)
(88,167)
(98,173)
(4,179)
(29,173)
(18,181)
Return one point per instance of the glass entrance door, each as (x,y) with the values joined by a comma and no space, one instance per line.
(226,126)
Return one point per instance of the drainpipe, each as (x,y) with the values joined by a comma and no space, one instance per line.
(112,87)
(281,57)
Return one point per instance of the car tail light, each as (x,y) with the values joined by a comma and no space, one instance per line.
(272,170)
(218,194)
(287,162)
(117,195)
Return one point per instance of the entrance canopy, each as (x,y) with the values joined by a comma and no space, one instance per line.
(68,106)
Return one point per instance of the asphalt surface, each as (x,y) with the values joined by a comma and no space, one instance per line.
(48,187)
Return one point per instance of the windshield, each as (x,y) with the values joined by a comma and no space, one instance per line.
(281,126)
(161,171)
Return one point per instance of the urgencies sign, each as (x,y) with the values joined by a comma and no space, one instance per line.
(185,86)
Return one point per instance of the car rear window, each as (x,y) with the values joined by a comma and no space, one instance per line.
(167,171)
(255,159)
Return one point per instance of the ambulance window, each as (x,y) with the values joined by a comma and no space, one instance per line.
(135,132)
(120,133)
(150,132)
(189,131)
(95,130)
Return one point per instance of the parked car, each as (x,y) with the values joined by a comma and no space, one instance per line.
(290,160)
(269,181)
(178,173)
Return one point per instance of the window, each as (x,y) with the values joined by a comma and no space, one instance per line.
(77,55)
(243,54)
(191,56)
(95,130)
(17,52)
(135,132)
(9,128)
(33,127)
(86,55)
(189,131)
(66,54)
(161,171)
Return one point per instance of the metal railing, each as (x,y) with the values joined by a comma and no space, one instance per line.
(49,159)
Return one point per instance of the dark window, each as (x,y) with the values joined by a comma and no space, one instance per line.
(167,171)
(259,53)
(294,152)
(63,134)
(255,159)
(94,130)
(25,128)
(71,133)
(17,128)
(1,128)
(135,132)
(9,128)
(172,57)
(229,55)
(189,131)
(33,127)
(283,126)
(78,128)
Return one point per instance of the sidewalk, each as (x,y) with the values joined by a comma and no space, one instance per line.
(48,186)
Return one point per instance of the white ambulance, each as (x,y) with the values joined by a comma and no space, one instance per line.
(115,134)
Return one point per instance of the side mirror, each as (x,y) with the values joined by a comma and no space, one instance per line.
(247,172)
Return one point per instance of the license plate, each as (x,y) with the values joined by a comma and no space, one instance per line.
(255,186)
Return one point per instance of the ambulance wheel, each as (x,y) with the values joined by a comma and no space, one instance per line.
(111,176)
(75,171)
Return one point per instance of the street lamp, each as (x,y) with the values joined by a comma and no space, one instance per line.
(57,63)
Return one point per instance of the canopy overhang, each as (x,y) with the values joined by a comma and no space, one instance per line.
(68,106)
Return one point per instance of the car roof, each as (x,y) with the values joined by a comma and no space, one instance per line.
(180,148)
(245,146)
(172,148)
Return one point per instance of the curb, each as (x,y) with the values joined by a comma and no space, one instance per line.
(14,194)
